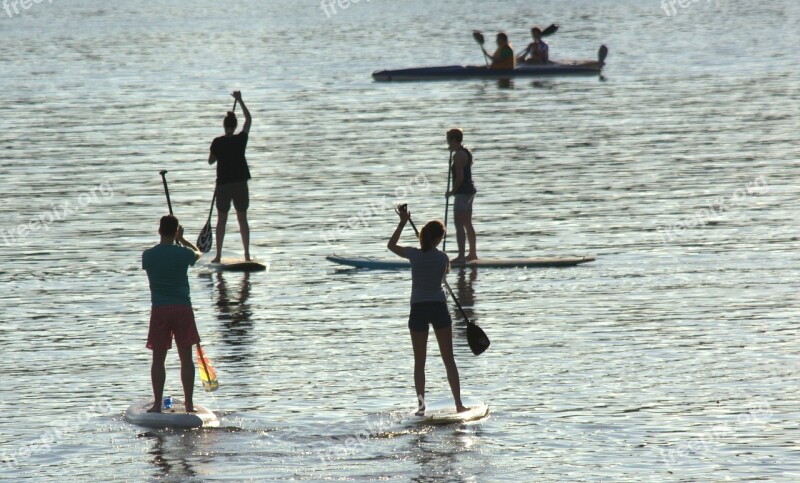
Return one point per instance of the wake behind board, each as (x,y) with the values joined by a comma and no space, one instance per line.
(448,415)
(176,417)
(238,265)
(377,264)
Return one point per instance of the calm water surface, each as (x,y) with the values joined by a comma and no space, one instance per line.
(673,357)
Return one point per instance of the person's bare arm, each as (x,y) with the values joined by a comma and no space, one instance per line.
(392,245)
(183,241)
(211,158)
(248,120)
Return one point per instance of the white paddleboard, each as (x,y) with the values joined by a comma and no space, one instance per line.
(176,417)
(448,415)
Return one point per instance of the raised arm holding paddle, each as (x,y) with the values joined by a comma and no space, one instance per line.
(228,152)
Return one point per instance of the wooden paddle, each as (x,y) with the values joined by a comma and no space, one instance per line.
(477,339)
(203,364)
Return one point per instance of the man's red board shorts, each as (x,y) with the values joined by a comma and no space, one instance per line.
(168,321)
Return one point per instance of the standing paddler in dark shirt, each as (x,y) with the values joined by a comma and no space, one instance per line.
(232,175)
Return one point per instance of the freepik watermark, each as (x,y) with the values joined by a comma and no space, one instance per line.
(669,6)
(375,207)
(759,412)
(329,6)
(57,212)
(715,208)
(54,434)
(12,7)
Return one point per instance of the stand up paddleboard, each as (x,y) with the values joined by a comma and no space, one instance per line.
(448,415)
(176,417)
(236,265)
(372,263)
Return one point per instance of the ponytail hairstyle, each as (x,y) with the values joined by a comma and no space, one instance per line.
(230,121)
(429,234)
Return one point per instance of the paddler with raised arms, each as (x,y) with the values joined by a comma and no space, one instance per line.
(428,304)
(232,175)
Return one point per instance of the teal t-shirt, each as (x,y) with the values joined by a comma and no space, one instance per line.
(166,267)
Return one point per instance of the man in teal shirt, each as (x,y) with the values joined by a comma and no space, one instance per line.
(171,314)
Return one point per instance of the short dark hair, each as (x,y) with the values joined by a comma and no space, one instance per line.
(503,36)
(456,135)
(168,225)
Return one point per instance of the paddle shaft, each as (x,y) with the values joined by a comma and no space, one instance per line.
(163,174)
(446,202)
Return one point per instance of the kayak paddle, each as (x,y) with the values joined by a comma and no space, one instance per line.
(601,54)
(553,28)
(478,36)
(477,339)
(207,374)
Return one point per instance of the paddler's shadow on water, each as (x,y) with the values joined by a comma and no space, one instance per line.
(465,292)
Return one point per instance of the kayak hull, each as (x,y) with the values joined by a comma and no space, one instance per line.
(450,72)
(400,264)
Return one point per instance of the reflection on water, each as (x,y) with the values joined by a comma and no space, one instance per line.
(234,312)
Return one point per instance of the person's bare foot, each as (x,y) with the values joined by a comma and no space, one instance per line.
(460,408)
(248,258)
(472,257)
(190,409)
(215,260)
(420,411)
(458,260)
(155,409)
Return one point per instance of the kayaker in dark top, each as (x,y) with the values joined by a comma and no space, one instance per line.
(464,191)
(537,52)
(232,175)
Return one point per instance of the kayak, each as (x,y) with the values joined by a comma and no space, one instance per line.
(573,67)
(374,263)
(482,72)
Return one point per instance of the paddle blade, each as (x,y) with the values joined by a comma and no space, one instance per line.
(602,53)
(477,339)
(478,37)
(206,239)
(550,30)
(207,374)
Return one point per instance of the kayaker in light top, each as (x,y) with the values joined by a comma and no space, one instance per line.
(464,191)
(232,175)
(171,314)
(537,52)
(503,57)
(428,304)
